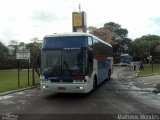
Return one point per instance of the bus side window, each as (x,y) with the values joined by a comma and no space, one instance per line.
(95,46)
(95,41)
(90,42)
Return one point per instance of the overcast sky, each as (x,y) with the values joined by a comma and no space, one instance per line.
(23,20)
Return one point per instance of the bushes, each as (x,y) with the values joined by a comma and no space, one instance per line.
(13,64)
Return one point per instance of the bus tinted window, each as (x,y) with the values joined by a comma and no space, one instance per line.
(90,41)
(65,42)
(126,58)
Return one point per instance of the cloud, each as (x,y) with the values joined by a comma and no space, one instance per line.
(33,18)
(44,16)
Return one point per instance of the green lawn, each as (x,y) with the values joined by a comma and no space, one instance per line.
(148,69)
(9,80)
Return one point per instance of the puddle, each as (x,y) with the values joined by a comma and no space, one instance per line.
(149,84)
(22,101)
(135,88)
(20,93)
(28,95)
(5,97)
(6,102)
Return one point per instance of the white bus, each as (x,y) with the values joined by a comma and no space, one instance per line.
(125,59)
(74,62)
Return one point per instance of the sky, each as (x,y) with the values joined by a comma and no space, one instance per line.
(22,20)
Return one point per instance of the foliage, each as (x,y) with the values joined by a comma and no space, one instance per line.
(113,33)
(3,51)
(148,69)
(145,46)
(34,48)
(157,49)
(8,61)
(13,64)
(14,45)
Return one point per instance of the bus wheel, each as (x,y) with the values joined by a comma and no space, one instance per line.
(95,82)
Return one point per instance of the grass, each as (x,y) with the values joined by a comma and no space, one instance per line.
(9,80)
(148,69)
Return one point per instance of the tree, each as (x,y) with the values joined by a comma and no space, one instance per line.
(36,40)
(3,51)
(145,46)
(106,33)
(35,50)
(157,49)
(115,35)
(112,27)
(14,45)
(122,32)
(102,33)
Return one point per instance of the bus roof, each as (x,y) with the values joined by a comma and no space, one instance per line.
(68,34)
(125,54)
(76,34)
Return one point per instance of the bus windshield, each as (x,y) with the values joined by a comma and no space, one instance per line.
(126,59)
(65,42)
(63,63)
(73,63)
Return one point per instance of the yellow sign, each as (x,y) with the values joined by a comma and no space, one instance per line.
(77,19)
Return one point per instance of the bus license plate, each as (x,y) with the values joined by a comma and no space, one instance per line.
(61,88)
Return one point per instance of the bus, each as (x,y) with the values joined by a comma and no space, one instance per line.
(74,62)
(125,59)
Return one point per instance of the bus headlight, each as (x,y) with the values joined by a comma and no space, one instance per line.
(81,88)
(43,86)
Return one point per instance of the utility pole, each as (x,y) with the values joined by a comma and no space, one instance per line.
(149,53)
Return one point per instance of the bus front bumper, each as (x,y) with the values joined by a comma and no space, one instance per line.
(64,87)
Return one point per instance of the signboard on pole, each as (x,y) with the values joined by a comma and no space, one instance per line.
(77,19)
(23,54)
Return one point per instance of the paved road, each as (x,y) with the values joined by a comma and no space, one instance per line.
(114,97)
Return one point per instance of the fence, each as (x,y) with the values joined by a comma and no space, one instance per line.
(149,69)
(12,78)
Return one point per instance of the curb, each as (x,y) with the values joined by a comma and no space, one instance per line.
(149,75)
(14,91)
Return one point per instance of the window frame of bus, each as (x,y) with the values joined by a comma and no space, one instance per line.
(90,56)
